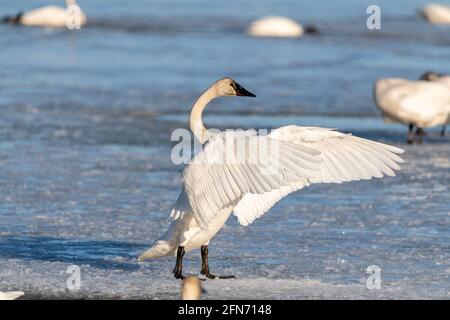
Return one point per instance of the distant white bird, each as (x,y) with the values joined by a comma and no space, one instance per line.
(280,27)
(12,295)
(250,179)
(50,16)
(436,13)
(421,104)
(439,78)
(436,77)
(191,288)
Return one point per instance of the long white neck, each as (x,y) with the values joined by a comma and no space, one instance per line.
(195,120)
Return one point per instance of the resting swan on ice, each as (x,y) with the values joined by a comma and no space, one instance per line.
(278,27)
(436,13)
(191,289)
(49,16)
(418,104)
(219,180)
(11,295)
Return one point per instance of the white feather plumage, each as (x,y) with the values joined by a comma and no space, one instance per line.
(421,103)
(11,295)
(216,183)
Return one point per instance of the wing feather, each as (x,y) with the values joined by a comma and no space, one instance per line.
(211,184)
(344,158)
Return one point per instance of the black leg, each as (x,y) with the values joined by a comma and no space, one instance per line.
(443,130)
(411,134)
(205,265)
(419,133)
(178,271)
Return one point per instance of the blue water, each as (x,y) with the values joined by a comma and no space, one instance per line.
(85,170)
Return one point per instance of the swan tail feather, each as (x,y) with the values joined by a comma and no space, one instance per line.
(159,249)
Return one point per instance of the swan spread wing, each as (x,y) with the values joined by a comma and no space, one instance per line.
(344,158)
(233,164)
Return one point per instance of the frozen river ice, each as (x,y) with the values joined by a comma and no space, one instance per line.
(98,206)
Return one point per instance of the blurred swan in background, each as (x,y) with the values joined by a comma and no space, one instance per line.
(280,27)
(436,13)
(440,78)
(50,16)
(12,295)
(422,104)
(220,180)
(191,289)
(436,77)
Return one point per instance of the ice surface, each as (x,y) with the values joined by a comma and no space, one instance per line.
(100,206)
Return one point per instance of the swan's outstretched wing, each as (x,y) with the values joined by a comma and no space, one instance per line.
(344,158)
(253,206)
(233,164)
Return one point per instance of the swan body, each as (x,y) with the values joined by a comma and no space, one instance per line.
(444,80)
(12,295)
(274,26)
(437,13)
(51,16)
(185,231)
(421,103)
(219,181)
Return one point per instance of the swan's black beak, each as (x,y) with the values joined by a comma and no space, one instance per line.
(242,92)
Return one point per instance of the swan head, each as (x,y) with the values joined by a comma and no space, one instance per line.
(430,76)
(229,87)
(191,288)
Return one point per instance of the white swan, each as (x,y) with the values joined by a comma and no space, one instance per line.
(436,77)
(437,13)
(191,289)
(12,295)
(280,27)
(219,180)
(50,16)
(439,78)
(422,104)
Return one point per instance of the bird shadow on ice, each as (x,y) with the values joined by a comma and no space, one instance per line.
(105,254)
